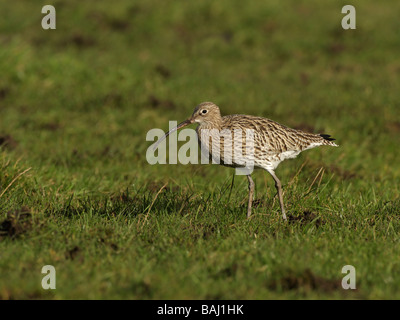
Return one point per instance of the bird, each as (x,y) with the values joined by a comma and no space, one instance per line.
(271,143)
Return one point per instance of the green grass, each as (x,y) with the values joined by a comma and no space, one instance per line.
(76,104)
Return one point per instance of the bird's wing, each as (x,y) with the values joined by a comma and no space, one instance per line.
(273,137)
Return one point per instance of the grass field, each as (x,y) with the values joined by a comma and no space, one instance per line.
(77,192)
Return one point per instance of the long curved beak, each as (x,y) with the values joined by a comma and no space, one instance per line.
(179,126)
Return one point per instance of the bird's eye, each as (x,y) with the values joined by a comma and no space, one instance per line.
(204,111)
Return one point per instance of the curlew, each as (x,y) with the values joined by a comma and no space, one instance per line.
(271,144)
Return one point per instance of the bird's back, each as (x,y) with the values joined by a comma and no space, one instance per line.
(274,136)
(274,142)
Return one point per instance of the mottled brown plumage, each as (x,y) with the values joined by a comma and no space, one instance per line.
(270,142)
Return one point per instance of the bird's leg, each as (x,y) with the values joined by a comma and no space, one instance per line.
(278,187)
(251,192)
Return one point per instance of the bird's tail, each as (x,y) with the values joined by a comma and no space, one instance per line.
(328,140)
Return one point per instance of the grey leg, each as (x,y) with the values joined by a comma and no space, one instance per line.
(251,193)
(278,187)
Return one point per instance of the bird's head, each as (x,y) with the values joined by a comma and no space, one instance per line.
(206,113)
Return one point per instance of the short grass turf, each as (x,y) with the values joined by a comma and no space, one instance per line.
(77,192)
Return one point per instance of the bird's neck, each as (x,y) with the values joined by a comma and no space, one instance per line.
(215,123)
